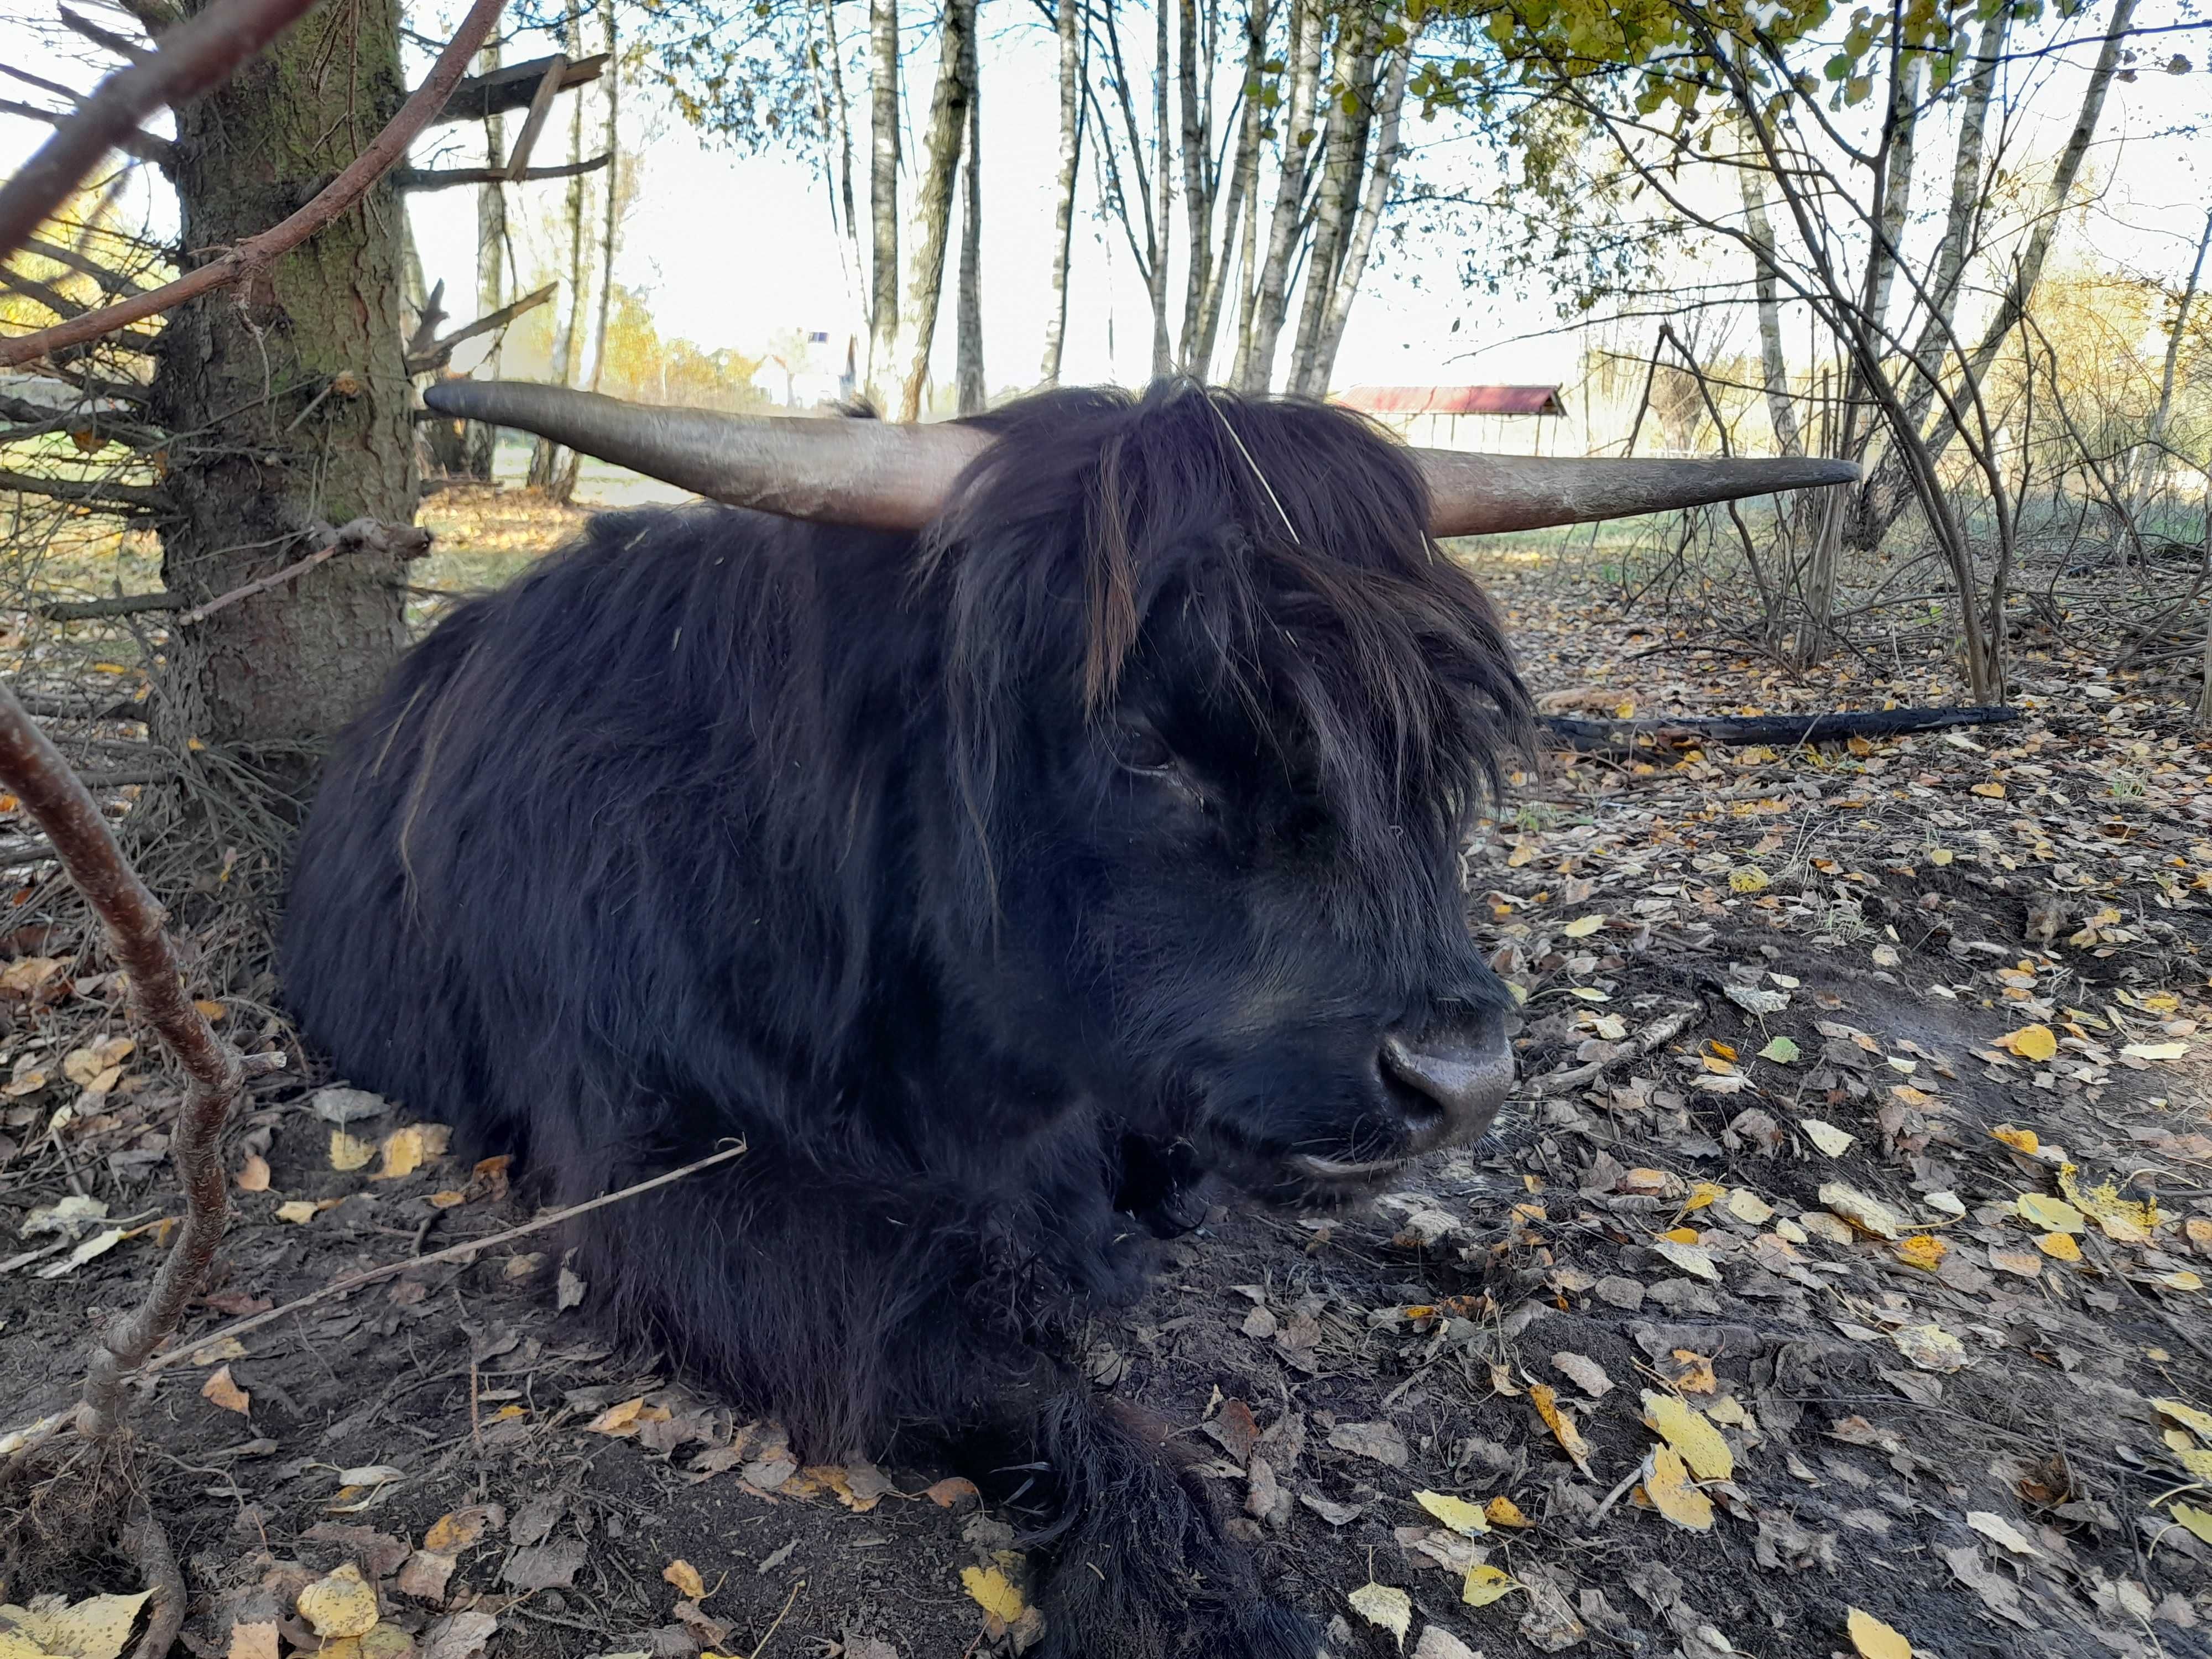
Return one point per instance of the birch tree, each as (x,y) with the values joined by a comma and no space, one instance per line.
(948,123)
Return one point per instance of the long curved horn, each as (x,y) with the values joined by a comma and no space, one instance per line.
(1478,494)
(870,473)
(882,475)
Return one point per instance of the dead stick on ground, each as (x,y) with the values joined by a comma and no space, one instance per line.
(451,1253)
(256,252)
(50,792)
(194,56)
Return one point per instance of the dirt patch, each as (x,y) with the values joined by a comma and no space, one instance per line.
(1765,997)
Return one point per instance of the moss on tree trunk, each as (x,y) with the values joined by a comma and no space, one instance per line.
(288,394)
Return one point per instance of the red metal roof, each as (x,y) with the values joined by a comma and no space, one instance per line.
(1454,399)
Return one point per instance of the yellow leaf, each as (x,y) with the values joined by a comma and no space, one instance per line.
(406,1149)
(1704,1192)
(2036,1042)
(2156,1050)
(1993,791)
(1561,1425)
(2021,1141)
(617,1419)
(2183,1280)
(1688,1432)
(1667,1483)
(1827,1136)
(994,1592)
(1485,1584)
(1748,879)
(350,1151)
(213,1012)
(1503,1512)
(2197,1521)
(1520,854)
(685,1576)
(2053,1215)
(1461,1516)
(2190,1416)
(2191,1456)
(223,1392)
(452,1533)
(298,1211)
(339,1604)
(1680,1235)
(1721,1049)
(1746,1205)
(1583,927)
(2059,1247)
(1384,1605)
(95,1628)
(1941,855)
(1873,1638)
(1922,1250)
(254,1176)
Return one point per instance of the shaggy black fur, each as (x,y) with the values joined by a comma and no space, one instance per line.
(994,884)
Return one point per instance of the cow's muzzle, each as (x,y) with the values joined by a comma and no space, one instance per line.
(1445,1080)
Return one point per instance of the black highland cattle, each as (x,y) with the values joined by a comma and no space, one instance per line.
(997,873)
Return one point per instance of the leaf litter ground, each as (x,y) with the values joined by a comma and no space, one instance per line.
(1837,1282)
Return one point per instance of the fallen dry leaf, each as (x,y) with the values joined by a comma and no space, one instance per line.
(1690,1433)
(1667,1483)
(994,1592)
(2190,1416)
(2198,1521)
(350,1151)
(95,1628)
(1386,1606)
(1827,1136)
(254,1176)
(2021,1141)
(1930,1347)
(1923,1250)
(407,1149)
(452,1532)
(1869,1214)
(1873,1638)
(339,1603)
(1503,1512)
(221,1391)
(1461,1516)
(252,1639)
(2036,1042)
(2050,1215)
(685,1576)
(1485,1584)
(1562,1426)
(298,1211)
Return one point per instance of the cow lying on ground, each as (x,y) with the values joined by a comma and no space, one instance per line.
(1040,816)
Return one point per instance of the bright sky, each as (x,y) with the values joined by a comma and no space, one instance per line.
(735,249)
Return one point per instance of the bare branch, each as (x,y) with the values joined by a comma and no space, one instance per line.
(513,87)
(116,604)
(256,251)
(61,806)
(439,352)
(359,534)
(115,280)
(194,56)
(120,45)
(137,142)
(105,494)
(448,178)
(61,305)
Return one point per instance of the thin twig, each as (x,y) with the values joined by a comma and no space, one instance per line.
(195,58)
(451,1253)
(256,252)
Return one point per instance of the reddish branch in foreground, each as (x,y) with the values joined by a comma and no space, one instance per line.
(193,57)
(256,251)
(49,790)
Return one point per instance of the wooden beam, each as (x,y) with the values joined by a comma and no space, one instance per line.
(448,178)
(541,106)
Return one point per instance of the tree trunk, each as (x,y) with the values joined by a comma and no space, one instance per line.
(1235,216)
(2139,472)
(1341,147)
(491,266)
(1889,488)
(1390,147)
(1194,70)
(610,221)
(552,468)
(837,156)
(1774,362)
(948,120)
(883,201)
(1292,144)
(1065,20)
(296,391)
(970,341)
(1162,176)
(1896,192)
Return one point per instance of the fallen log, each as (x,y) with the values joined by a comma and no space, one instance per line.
(1732,730)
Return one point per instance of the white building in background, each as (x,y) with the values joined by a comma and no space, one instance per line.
(803,369)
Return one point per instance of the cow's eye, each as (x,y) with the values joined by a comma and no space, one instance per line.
(1142,750)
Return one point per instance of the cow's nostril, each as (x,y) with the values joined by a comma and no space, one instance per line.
(1458,1074)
